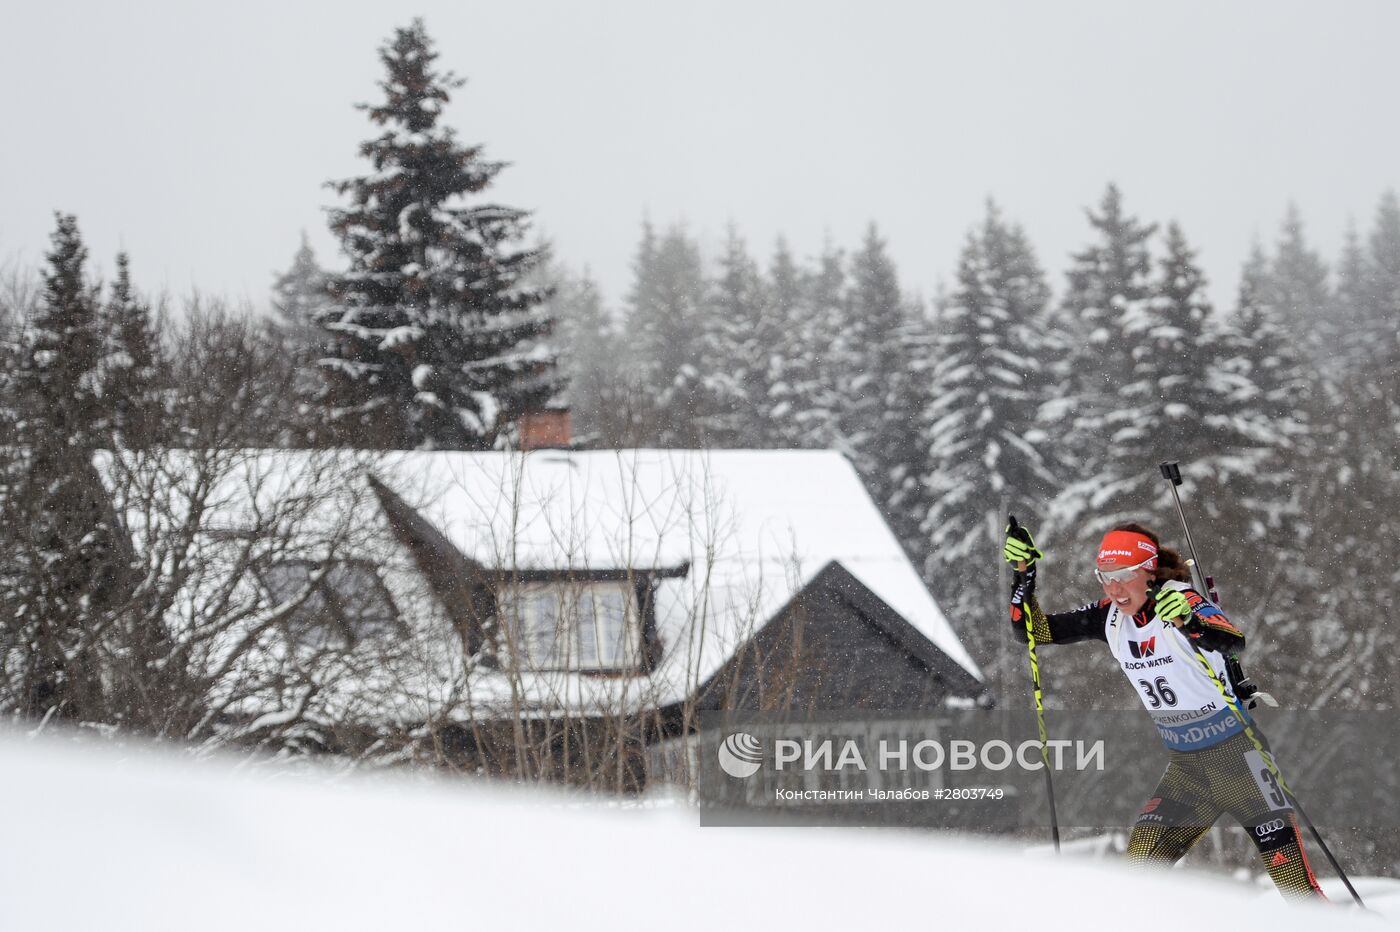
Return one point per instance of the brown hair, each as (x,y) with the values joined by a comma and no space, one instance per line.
(1169,562)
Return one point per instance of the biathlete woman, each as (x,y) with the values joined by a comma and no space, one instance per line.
(1152,619)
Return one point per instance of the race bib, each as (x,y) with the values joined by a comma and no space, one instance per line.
(1266,781)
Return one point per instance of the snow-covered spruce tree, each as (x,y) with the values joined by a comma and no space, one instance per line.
(1351,663)
(1351,658)
(818,358)
(134,376)
(300,299)
(1182,397)
(871,424)
(1256,341)
(1272,581)
(985,455)
(1301,293)
(665,330)
(63,563)
(301,294)
(1382,315)
(1326,585)
(783,284)
(1109,281)
(1350,302)
(1354,503)
(436,339)
(58,373)
(742,336)
(910,498)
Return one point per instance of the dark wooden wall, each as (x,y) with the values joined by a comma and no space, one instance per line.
(836,647)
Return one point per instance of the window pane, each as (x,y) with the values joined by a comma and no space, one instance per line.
(587,630)
(511,614)
(309,623)
(283,580)
(611,609)
(543,625)
(362,600)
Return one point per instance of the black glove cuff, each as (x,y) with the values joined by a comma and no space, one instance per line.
(1024,584)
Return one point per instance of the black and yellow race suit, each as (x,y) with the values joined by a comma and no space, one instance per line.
(1213,767)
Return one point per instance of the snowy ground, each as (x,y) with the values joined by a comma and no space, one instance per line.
(97,838)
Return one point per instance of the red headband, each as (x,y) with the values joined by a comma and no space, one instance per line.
(1129,549)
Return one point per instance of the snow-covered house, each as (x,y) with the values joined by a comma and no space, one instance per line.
(485,598)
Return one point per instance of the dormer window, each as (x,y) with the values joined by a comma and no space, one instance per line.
(590,625)
(345,605)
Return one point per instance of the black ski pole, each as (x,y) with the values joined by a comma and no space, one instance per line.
(1206,584)
(1011,528)
(1172,473)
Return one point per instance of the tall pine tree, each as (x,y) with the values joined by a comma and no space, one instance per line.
(1382,319)
(985,450)
(1300,292)
(870,422)
(743,334)
(58,379)
(1351,302)
(134,379)
(910,497)
(1182,397)
(436,337)
(1363,456)
(820,358)
(665,330)
(1264,541)
(1109,282)
(1258,342)
(300,294)
(784,286)
(62,547)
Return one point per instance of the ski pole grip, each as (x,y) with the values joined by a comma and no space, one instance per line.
(1171,472)
(1011,528)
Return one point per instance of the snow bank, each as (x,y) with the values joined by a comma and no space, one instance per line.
(102,838)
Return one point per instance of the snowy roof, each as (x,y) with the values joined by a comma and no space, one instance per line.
(755,528)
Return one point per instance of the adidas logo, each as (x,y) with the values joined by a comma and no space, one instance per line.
(1279,860)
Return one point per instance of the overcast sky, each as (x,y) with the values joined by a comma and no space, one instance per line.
(198,136)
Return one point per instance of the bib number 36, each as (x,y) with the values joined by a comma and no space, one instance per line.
(1158,692)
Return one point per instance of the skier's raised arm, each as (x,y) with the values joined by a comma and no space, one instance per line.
(1082,624)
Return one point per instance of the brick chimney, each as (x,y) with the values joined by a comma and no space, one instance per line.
(546,430)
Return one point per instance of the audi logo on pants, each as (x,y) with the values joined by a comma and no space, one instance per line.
(1268,828)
